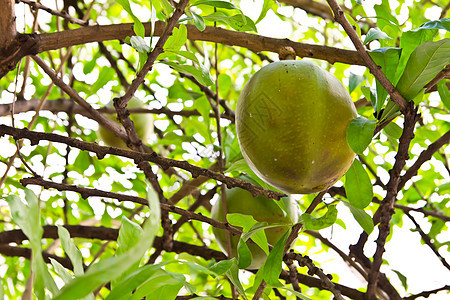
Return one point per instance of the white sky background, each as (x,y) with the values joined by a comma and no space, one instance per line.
(404,252)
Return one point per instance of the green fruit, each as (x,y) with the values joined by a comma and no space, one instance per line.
(291,121)
(143,123)
(262,209)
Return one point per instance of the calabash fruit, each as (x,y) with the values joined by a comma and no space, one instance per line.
(143,123)
(291,122)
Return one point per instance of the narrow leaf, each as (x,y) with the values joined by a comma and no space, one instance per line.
(71,250)
(233,275)
(363,218)
(353,81)
(358,186)
(217,3)
(244,254)
(221,267)
(112,267)
(387,59)
(360,133)
(273,264)
(444,93)
(60,270)
(266,6)
(26,215)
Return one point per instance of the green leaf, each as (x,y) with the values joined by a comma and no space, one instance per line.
(198,21)
(360,133)
(241,220)
(112,267)
(402,278)
(71,250)
(387,59)
(443,23)
(393,130)
(257,234)
(249,226)
(266,6)
(217,3)
(202,74)
(106,74)
(363,218)
(129,235)
(409,41)
(162,285)
(426,61)
(444,93)
(163,6)
(138,43)
(357,185)
(222,266)
(370,95)
(273,264)
(375,34)
(236,22)
(353,81)
(128,284)
(177,39)
(233,276)
(244,254)
(60,270)
(295,293)
(26,215)
(328,219)
(390,111)
(138,27)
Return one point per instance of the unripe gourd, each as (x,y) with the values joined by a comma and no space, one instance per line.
(143,123)
(291,122)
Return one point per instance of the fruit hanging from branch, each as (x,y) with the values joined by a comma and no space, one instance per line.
(262,210)
(143,123)
(291,121)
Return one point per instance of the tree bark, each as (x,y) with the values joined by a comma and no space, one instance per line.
(7,23)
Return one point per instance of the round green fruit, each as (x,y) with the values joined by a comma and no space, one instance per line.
(291,121)
(262,210)
(143,123)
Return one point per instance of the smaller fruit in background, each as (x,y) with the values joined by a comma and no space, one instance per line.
(143,123)
(262,210)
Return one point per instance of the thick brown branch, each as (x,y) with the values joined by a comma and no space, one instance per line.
(256,43)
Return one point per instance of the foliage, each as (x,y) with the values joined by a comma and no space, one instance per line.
(152,236)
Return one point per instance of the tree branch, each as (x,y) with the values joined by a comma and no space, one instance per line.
(63,14)
(368,61)
(89,192)
(163,162)
(253,42)
(386,209)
